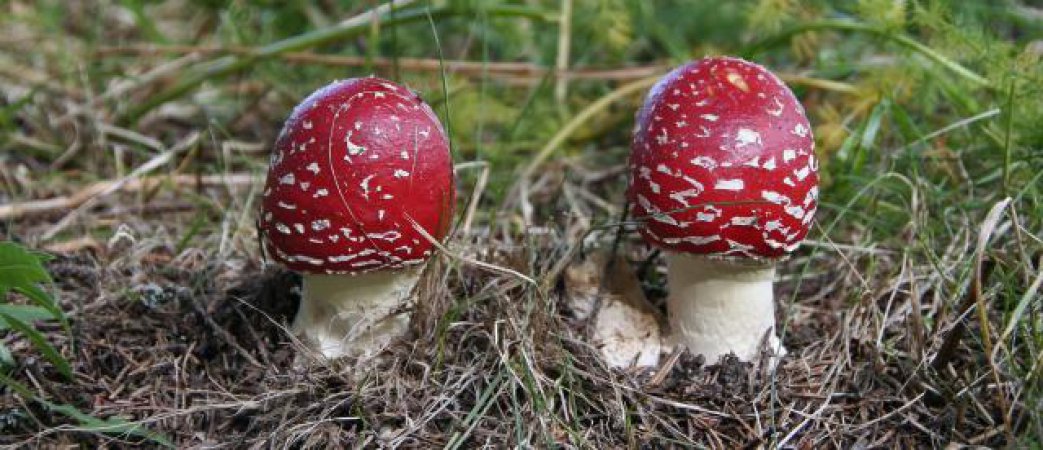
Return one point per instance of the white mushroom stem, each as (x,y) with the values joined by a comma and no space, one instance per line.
(354,315)
(717,307)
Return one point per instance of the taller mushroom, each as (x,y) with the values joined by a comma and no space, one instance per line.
(359,165)
(724,178)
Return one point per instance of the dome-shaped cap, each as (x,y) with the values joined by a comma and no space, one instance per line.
(723,162)
(356,164)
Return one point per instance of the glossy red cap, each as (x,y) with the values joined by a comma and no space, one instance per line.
(723,162)
(353,164)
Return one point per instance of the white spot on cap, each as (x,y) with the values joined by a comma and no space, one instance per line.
(696,240)
(683,196)
(802,173)
(644,172)
(399,173)
(794,210)
(390,236)
(322,192)
(299,227)
(769,164)
(282,228)
(788,155)
(710,117)
(708,214)
(288,179)
(773,225)
(811,196)
(746,136)
(341,258)
(368,262)
(705,162)
(777,111)
(729,185)
(353,150)
(285,205)
(307,124)
(800,130)
(319,225)
(313,168)
(775,197)
(739,247)
(744,221)
(365,185)
(663,137)
(305,259)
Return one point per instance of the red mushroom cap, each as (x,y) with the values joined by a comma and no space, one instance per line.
(723,162)
(353,164)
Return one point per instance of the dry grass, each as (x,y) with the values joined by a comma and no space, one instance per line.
(196,348)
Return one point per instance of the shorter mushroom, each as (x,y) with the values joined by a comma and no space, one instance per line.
(360,168)
(724,179)
(603,291)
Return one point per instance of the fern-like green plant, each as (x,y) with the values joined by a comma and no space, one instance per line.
(23,272)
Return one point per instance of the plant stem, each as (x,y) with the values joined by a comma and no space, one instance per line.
(850,25)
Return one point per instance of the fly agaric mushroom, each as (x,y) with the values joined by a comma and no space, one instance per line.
(359,166)
(723,173)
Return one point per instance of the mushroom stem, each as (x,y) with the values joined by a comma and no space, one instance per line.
(718,307)
(355,315)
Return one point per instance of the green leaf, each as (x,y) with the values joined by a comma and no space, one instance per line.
(116,426)
(49,352)
(6,359)
(20,268)
(42,298)
(113,426)
(24,313)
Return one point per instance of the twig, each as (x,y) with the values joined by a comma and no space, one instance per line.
(46,206)
(526,71)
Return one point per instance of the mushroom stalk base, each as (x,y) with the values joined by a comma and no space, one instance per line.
(354,315)
(717,307)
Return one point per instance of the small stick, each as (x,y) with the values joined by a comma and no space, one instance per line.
(526,71)
(46,206)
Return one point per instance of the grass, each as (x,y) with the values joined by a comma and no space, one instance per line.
(913,314)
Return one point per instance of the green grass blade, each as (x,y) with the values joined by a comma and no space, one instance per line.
(24,313)
(113,426)
(41,344)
